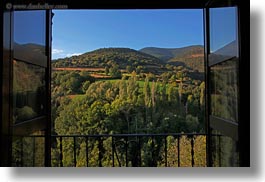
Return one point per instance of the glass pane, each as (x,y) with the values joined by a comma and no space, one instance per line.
(29,151)
(224,90)
(29,36)
(224,151)
(223,34)
(29,93)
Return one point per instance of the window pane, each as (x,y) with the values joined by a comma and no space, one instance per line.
(29,151)
(29,93)
(224,151)
(224,90)
(223,34)
(29,36)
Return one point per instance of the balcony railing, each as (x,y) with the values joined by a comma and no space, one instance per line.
(113,150)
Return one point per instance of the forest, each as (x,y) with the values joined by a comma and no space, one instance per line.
(128,92)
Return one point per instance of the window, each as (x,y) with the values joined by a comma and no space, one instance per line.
(29,91)
(223,34)
(29,88)
(29,65)
(224,90)
(29,36)
(223,61)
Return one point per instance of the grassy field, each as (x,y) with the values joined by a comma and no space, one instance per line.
(79,69)
(140,82)
(76,96)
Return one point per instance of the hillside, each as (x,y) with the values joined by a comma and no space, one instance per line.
(30,51)
(107,57)
(150,59)
(161,53)
(229,49)
(166,54)
(191,56)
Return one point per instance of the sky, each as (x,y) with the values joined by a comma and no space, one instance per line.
(222,32)
(79,31)
(29,27)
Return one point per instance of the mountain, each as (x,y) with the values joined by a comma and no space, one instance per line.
(161,53)
(226,52)
(229,49)
(191,56)
(31,52)
(149,59)
(166,54)
(106,57)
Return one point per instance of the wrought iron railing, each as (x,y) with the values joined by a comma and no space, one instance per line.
(114,150)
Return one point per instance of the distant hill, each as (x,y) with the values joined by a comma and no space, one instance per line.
(161,53)
(109,56)
(229,49)
(191,56)
(166,54)
(31,51)
(226,52)
(150,59)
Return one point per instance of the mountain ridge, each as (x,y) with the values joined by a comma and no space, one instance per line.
(112,57)
(191,57)
(168,53)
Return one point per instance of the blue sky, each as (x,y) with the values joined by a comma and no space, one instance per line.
(223,27)
(29,27)
(80,31)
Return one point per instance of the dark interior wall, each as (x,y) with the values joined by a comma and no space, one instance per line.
(5,88)
(244,82)
(1,71)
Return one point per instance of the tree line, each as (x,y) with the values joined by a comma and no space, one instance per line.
(123,107)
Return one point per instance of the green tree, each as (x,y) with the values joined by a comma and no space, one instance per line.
(115,72)
(85,86)
(129,68)
(107,70)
